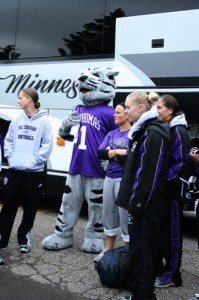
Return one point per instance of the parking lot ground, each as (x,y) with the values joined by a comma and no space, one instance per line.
(70,273)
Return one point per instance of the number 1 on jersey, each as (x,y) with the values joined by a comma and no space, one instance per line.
(82,144)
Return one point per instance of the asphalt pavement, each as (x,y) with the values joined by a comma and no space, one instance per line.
(70,274)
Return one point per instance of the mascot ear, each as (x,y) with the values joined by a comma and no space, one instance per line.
(112,72)
(82,71)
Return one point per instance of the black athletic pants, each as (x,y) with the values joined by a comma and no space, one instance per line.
(171,239)
(143,232)
(22,188)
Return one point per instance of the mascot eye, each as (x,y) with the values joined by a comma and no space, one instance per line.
(96,74)
(111,77)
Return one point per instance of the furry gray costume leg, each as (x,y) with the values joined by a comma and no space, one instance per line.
(93,241)
(67,216)
(77,189)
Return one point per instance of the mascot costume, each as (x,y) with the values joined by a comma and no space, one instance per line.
(87,126)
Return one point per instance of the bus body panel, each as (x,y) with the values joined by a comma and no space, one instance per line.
(160,53)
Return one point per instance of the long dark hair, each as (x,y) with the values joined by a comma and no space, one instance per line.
(171,103)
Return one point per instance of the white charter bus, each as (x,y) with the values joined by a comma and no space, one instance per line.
(43,44)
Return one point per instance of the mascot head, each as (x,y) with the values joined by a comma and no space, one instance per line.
(96,85)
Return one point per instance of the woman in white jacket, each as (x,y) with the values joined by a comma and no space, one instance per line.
(27,146)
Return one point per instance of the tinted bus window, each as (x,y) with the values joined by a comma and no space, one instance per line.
(55,29)
(60,28)
(8,19)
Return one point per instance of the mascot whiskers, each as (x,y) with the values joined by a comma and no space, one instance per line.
(87,126)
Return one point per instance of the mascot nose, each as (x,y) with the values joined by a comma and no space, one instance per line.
(83,78)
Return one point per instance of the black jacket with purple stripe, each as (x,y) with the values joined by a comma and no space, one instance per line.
(179,159)
(145,173)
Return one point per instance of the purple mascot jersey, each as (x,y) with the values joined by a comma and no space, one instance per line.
(94,125)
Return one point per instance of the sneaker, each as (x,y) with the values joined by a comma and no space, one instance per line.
(99,256)
(177,279)
(24,248)
(164,284)
(2,260)
(127,298)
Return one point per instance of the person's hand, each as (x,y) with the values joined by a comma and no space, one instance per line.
(121,151)
(194,155)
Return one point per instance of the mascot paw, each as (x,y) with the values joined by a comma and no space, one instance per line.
(55,242)
(74,118)
(93,245)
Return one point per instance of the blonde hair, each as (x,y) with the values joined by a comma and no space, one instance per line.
(32,93)
(143,98)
